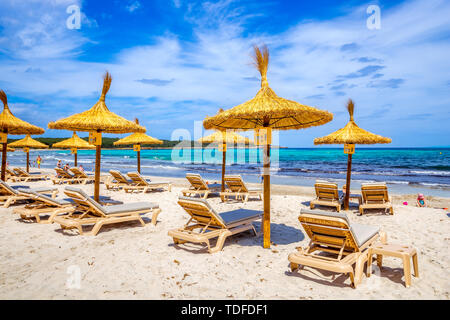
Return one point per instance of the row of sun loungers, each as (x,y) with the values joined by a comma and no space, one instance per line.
(373,196)
(235,187)
(19,175)
(136,183)
(336,244)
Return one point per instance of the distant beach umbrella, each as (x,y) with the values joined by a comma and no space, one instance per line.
(26,144)
(350,135)
(97,120)
(222,138)
(137,139)
(75,143)
(9,124)
(267,111)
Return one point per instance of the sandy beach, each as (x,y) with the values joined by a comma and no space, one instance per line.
(128,261)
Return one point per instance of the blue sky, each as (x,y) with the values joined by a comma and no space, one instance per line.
(174,62)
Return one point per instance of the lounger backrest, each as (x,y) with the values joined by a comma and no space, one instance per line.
(78,173)
(21,173)
(326,190)
(374,193)
(201,212)
(196,181)
(40,197)
(118,176)
(63,173)
(328,228)
(137,178)
(235,183)
(84,201)
(6,189)
(10,172)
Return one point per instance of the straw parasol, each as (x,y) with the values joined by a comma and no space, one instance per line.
(75,143)
(350,135)
(27,143)
(9,124)
(223,138)
(97,120)
(10,149)
(267,111)
(137,139)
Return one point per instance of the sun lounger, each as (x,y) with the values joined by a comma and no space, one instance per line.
(345,243)
(117,180)
(212,224)
(10,195)
(140,184)
(62,176)
(199,186)
(327,194)
(29,176)
(237,188)
(81,176)
(43,205)
(11,175)
(375,196)
(91,212)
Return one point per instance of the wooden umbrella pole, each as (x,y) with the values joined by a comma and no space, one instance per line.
(139,161)
(4,151)
(28,161)
(224,159)
(266,218)
(98,151)
(347,187)
(76,162)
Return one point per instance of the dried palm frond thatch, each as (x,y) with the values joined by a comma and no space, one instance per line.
(11,124)
(351,133)
(98,118)
(74,142)
(28,142)
(267,109)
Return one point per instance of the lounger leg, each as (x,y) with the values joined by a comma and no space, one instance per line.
(246,198)
(206,195)
(220,241)
(369,264)
(293,266)
(155,216)
(360,267)
(380,261)
(352,280)
(311,205)
(96,228)
(416,265)
(383,237)
(170,188)
(392,211)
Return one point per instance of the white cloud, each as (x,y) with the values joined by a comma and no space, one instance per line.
(133,6)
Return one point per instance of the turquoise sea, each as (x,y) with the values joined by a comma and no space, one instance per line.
(410,170)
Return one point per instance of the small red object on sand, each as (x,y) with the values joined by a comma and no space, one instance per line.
(405,203)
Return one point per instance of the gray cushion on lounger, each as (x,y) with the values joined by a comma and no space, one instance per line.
(239,215)
(363,232)
(197,200)
(130,207)
(43,189)
(56,202)
(89,199)
(254,189)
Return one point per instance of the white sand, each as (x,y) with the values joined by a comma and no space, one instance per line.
(128,261)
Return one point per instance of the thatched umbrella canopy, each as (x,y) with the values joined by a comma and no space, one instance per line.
(350,135)
(97,120)
(267,111)
(137,139)
(27,143)
(9,124)
(223,138)
(75,143)
(8,149)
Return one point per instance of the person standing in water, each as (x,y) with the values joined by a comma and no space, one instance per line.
(38,161)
